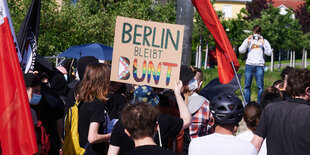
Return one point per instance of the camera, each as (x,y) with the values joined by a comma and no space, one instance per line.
(255,37)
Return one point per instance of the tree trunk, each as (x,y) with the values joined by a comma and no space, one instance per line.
(272,61)
(293,58)
(206,56)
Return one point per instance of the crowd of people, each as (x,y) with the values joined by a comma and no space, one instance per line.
(116,118)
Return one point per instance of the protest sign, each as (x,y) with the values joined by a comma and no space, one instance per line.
(147,53)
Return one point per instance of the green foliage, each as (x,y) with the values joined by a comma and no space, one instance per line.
(306,40)
(308,5)
(18,10)
(200,31)
(235,30)
(281,31)
(71,25)
(86,22)
(94,21)
(269,78)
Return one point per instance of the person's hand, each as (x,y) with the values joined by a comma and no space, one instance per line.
(261,39)
(250,38)
(178,87)
(60,151)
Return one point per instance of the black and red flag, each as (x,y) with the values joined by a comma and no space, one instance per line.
(28,36)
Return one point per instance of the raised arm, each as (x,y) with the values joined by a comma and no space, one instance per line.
(244,46)
(184,112)
(267,48)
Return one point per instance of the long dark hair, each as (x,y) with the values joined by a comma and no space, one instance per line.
(252,112)
(95,84)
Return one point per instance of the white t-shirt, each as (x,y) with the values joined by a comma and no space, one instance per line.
(248,136)
(220,144)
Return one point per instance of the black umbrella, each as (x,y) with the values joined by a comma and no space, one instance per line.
(215,87)
(40,60)
(44,65)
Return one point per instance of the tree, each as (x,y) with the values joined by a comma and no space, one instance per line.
(200,30)
(306,41)
(308,5)
(88,21)
(255,8)
(235,29)
(282,31)
(304,17)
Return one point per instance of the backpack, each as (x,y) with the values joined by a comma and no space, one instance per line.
(107,121)
(43,139)
(71,142)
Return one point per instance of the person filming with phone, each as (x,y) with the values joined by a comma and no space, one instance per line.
(256,46)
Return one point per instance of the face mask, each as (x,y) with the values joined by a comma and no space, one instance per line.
(35,99)
(193,84)
(77,76)
(66,77)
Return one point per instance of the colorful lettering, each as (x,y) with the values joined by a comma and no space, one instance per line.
(123,72)
(151,70)
(170,65)
(135,71)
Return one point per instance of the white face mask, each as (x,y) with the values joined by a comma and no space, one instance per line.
(66,77)
(193,84)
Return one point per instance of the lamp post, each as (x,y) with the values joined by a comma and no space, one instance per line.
(185,14)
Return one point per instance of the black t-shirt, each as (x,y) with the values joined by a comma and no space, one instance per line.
(169,127)
(151,150)
(286,125)
(70,100)
(91,112)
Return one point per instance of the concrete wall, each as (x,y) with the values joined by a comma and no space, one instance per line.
(235,7)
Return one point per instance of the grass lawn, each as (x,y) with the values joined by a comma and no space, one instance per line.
(269,78)
(285,62)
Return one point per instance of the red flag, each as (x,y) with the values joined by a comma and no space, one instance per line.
(16,128)
(224,51)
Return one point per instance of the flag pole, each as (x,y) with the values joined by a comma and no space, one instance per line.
(233,66)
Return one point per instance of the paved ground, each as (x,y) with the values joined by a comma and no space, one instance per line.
(276,66)
(242,127)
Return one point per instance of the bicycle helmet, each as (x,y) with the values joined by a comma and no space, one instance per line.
(227,109)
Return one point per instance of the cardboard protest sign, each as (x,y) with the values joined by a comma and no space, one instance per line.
(146,53)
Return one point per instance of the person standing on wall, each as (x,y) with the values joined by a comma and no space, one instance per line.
(254,66)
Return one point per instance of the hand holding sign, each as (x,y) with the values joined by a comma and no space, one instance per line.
(178,88)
